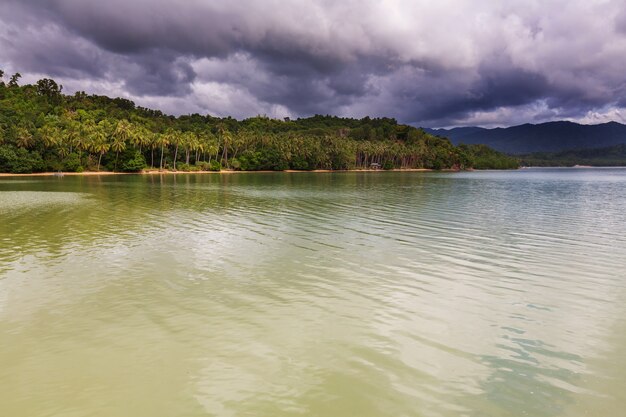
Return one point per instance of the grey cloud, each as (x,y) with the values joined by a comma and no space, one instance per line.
(158,73)
(423,63)
(493,88)
(620,21)
(34,45)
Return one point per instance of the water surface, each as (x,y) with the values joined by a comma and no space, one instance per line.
(331,295)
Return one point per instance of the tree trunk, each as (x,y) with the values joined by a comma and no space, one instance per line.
(225,157)
(161,166)
(175,156)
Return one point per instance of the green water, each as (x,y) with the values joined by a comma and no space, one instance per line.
(331,295)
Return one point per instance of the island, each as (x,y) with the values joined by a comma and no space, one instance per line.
(44,130)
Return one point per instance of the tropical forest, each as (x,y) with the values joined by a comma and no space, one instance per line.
(42,129)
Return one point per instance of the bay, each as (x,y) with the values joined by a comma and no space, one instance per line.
(495,293)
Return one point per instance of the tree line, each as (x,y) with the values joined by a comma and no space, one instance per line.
(606,156)
(42,129)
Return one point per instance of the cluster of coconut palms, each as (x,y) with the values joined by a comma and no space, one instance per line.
(79,132)
(53,129)
(71,134)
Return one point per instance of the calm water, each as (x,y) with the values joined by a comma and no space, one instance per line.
(331,295)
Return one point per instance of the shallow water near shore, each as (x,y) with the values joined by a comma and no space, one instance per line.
(495,293)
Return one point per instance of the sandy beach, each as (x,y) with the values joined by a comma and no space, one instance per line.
(157,172)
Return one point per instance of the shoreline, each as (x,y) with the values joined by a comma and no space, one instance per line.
(157,172)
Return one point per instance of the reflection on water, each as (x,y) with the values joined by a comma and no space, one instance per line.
(349,294)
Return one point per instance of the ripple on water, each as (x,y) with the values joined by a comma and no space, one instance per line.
(10,201)
(496,294)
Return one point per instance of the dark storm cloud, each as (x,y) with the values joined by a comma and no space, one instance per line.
(158,73)
(49,52)
(452,62)
(309,91)
(34,46)
(491,89)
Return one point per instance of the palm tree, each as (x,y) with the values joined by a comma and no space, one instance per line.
(99,143)
(141,137)
(50,135)
(200,149)
(153,142)
(24,138)
(82,139)
(123,130)
(162,140)
(63,151)
(190,143)
(226,138)
(100,146)
(175,137)
(212,146)
(118,145)
(239,142)
(71,132)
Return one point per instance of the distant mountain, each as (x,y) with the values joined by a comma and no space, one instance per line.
(544,137)
(457,134)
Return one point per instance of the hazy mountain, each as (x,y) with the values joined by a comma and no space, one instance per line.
(544,137)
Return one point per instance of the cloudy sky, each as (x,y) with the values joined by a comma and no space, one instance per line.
(429,63)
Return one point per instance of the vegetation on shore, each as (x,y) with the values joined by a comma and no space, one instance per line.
(607,156)
(42,129)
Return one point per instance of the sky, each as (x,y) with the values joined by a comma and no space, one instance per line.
(428,63)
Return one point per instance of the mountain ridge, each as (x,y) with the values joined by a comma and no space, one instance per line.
(553,136)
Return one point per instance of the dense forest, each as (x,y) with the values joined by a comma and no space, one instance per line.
(42,129)
(608,156)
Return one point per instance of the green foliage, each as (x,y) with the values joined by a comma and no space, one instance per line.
(19,161)
(606,156)
(298,162)
(49,88)
(14,79)
(135,164)
(249,161)
(185,167)
(215,166)
(484,157)
(202,166)
(38,122)
(235,164)
(71,163)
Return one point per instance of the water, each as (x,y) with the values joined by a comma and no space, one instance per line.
(307,294)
